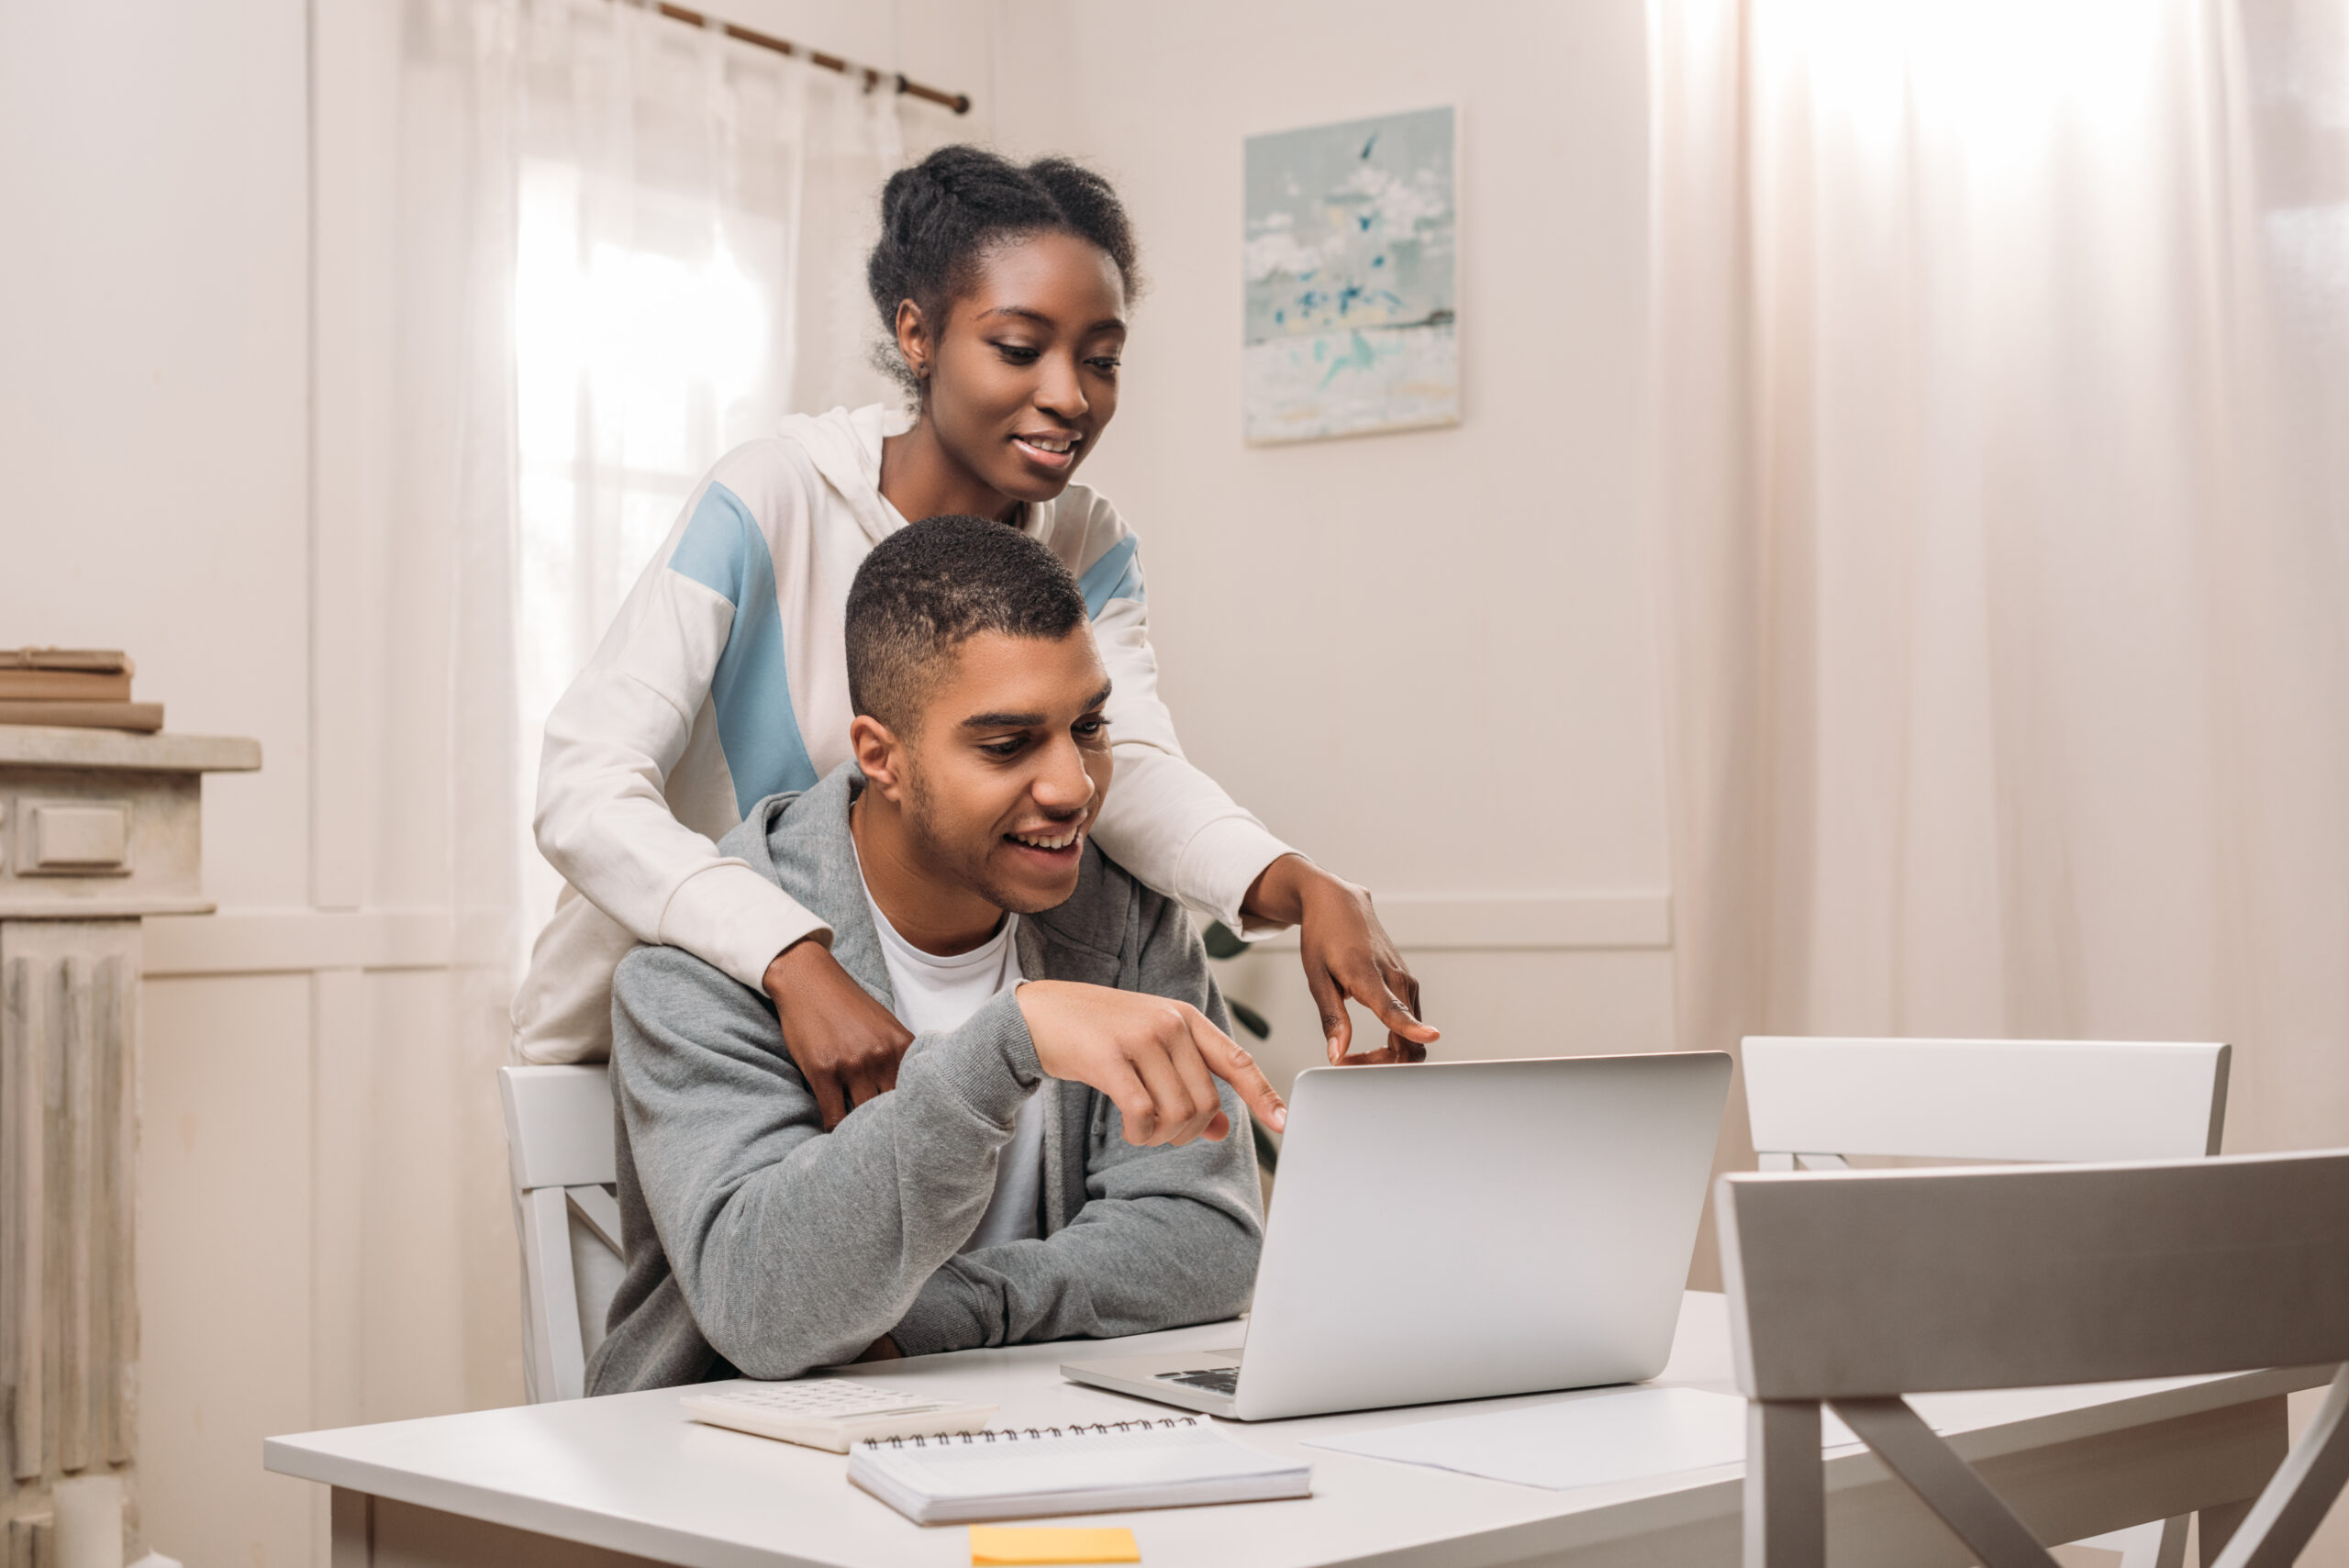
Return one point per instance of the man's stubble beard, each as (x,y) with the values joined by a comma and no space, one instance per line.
(921,830)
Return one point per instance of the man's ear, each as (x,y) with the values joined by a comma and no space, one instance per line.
(913,338)
(880,756)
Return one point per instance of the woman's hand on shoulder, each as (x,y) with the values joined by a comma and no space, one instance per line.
(1347,953)
(845,1044)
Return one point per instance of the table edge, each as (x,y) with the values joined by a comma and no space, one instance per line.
(1677,1498)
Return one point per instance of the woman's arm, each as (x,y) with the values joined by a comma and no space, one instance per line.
(1178,829)
(604,821)
(1347,953)
(604,815)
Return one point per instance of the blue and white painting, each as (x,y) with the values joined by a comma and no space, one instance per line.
(1350,265)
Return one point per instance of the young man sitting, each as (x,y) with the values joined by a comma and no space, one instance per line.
(1056,1157)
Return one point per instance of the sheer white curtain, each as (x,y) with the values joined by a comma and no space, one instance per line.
(576,251)
(689,221)
(2001,371)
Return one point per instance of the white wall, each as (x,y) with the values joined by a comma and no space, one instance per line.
(1427,659)
(152,389)
(152,494)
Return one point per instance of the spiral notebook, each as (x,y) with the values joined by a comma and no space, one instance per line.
(829,1412)
(1035,1472)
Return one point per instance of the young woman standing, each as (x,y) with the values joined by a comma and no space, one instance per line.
(723,679)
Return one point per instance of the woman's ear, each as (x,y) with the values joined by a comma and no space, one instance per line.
(913,338)
(880,756)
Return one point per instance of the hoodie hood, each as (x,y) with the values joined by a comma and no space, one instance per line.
(845,446)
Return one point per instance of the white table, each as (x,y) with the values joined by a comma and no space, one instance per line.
(629,1479)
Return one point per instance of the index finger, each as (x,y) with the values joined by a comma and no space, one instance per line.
(1229,1062)
(1371,990)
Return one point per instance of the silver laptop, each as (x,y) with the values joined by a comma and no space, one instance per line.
(1461,1229)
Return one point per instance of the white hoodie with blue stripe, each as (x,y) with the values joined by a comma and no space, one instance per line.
(724,680)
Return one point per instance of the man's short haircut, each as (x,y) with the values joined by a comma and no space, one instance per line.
(932,584)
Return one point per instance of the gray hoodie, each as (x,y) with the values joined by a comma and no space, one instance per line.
(757,1242)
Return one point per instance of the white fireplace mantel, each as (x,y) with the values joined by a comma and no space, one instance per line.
(98,829)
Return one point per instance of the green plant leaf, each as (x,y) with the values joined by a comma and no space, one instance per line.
(1222,940)
(1248,1018)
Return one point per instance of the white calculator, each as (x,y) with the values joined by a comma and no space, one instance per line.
(831,1412)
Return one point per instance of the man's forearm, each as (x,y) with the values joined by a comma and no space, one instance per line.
(1171,1236)
(795,1248)
(1084,1281)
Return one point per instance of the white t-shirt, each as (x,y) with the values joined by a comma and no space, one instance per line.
(934,993)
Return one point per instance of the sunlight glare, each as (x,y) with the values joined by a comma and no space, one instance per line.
(1993,76)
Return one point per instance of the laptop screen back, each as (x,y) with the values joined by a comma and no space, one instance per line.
(1456,1231)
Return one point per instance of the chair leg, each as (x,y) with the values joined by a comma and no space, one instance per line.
(2161,1544)
(2218,1527)
(2274,1529)
(1785,1486)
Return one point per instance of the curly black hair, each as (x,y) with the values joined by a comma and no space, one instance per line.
(940,218)
(930,587)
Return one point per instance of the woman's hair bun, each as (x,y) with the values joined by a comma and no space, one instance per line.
(940,217)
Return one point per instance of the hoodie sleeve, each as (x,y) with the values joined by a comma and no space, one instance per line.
(604,819)
(1166,1235)
(794,1248)
(1165,821)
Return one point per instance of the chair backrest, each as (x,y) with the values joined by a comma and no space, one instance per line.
(1858,1287)
(1813,1101)
(559,1149)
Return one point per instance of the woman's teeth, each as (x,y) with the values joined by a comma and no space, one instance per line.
(1059,446)
(1039,841)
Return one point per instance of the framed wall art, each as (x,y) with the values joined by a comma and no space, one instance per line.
(1350,279)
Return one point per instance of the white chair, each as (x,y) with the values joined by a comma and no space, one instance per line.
(1855,1289)
(1814,1102)
(559,1144)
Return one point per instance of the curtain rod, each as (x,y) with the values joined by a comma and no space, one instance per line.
(958,102)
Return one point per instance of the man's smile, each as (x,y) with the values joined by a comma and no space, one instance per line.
(1049,843)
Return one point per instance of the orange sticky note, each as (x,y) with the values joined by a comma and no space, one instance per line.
(1003,1546)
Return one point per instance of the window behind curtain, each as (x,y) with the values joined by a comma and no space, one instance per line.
(690,217)
(637,364)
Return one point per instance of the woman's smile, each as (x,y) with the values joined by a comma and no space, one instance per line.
(1054,451)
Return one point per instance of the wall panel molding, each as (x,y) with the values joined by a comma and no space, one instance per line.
(1505,922)
(297,941)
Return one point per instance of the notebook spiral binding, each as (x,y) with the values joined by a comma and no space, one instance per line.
(1018,1434)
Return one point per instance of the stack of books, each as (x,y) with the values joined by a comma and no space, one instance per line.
(80,688)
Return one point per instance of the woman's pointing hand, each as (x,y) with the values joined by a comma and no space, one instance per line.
(1347,953)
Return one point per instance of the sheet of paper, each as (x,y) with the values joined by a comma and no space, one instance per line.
(1001,1546)
(1622,1435)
